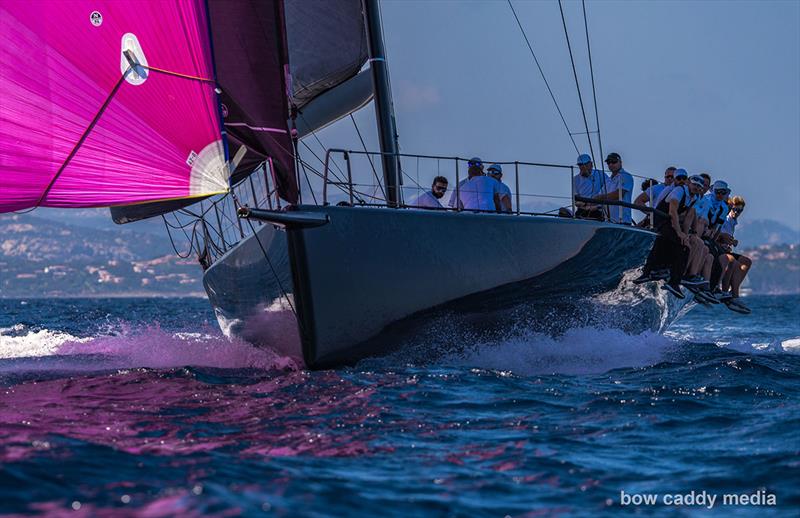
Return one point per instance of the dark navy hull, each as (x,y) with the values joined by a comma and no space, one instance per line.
(373,280)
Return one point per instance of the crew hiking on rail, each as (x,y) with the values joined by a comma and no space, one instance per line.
(695,221)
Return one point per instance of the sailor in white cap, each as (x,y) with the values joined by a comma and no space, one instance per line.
(699,257)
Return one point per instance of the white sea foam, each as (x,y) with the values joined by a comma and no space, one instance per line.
(149,347)
(578,351)
(791,345)
(15,344)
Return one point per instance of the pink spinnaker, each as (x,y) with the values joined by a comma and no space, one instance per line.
(60,61)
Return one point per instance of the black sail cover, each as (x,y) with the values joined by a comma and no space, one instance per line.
(327,45)
(324,44)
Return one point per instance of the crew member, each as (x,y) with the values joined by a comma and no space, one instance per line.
(588,183)
(474,168)
(735,266)
(618,187)
(496,171)
(430,199)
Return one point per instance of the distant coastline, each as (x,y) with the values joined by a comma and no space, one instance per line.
(124,295)
(45,258)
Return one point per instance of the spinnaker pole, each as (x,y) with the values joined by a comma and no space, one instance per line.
(384,108)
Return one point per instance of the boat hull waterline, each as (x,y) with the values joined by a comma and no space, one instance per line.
(375,280)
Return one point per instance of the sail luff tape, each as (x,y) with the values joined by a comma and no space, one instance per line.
(237,158)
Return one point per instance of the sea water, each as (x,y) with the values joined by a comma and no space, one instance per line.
(141,407)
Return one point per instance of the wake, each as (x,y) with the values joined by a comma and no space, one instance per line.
(144,347)
(578,351)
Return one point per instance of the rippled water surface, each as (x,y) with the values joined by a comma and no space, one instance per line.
(141,407)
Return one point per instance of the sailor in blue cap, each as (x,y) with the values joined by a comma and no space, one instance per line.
(474,168)
(588,183)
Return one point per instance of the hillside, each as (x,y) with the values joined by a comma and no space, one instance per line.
(41,257)
(776,269)
(761,232)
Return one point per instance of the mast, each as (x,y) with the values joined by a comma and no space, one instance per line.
(384,108)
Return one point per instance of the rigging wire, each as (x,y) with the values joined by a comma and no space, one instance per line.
(271,267)
(305,174)
(575,75)
(314,134)
(606,209)
(536,60)
(339,179)
(594,91)
(369,157)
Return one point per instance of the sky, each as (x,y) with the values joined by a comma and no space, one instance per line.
(710,86)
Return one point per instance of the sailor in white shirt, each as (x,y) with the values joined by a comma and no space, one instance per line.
(679,173)
(474,168)
(430,199)
(652,193)
(729,227)
(719,209)
(618,187)
(589,182)
(735,266)
(698,269)
(496,171)
(481,193)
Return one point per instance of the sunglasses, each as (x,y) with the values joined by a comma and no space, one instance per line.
(612,161)
(471,164)
(680,178)
(670,177)
(439,188)
(722,191)
(738,210)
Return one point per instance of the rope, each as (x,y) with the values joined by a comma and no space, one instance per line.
(172,241)
(83,138)
(536,60)
(94,122)
(177,74)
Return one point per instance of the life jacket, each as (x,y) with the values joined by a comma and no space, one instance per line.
(659,220)
(717,217)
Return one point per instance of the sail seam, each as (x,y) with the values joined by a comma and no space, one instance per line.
(256,128)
